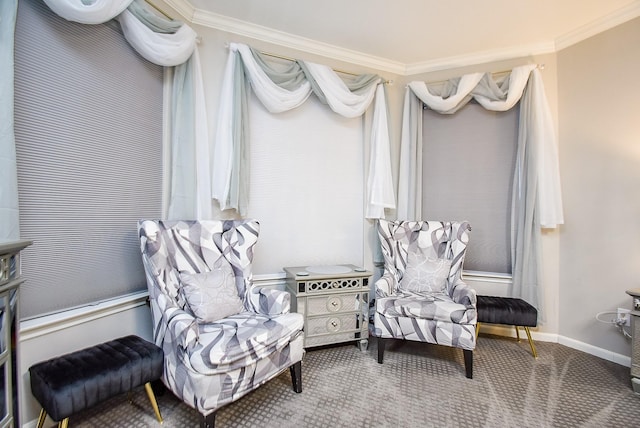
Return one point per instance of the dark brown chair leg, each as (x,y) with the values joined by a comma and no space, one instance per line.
(468,362)
(381,345)
(208,421)
(296,376)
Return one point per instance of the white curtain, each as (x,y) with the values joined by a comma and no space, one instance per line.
(9,221)
(165,49)
(167,43)
(282,91)
(86,11)
(536,199)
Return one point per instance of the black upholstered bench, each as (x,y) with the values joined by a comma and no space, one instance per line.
(77,381)
(508,311)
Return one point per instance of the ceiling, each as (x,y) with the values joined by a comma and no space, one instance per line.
(414,33)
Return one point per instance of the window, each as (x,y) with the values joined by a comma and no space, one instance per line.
(88,124)
(468,164)
(307,186)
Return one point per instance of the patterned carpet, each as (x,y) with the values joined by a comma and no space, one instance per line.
(417,386)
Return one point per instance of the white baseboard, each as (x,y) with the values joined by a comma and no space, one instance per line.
(541,336)
(31,424)
(623,360)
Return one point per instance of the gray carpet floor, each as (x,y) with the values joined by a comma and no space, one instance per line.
(417,386)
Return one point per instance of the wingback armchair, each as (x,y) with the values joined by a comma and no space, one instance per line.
(421,295)
(221,336)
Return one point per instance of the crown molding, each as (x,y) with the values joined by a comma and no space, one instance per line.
(183,7)
(607,22)
(242,28)
(258,32)
(479,58)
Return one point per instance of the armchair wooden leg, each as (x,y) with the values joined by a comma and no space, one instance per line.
(381,345)
(208,421)
(468,362)
(296,376)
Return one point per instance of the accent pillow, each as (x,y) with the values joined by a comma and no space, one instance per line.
(212,295)
(425,274)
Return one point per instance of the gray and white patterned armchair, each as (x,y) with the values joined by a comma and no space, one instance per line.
(410,303)
(211,363)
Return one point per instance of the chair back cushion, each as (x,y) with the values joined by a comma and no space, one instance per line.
(174,248)
(212,295)
(434,240)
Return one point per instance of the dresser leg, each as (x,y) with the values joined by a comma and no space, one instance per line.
(363,345)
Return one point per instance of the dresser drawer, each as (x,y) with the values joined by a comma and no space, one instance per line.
(331,324)
(311,341)
(333,284)
(333,303)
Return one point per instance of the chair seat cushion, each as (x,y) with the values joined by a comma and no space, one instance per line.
(242,339)
(432,306)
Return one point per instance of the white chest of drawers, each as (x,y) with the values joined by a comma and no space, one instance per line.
(334,301)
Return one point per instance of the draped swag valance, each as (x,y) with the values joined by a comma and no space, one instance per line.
(536,197)
(284,89)
(162,41)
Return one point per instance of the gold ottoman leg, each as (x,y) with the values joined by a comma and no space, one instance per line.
(41,418)
(533,347)
(152,398)
(517,333)
(477,330)
(63,423)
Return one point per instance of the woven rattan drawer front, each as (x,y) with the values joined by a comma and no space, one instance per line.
(333,303)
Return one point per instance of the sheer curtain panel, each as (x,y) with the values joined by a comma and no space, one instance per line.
(536,199)
(9,220)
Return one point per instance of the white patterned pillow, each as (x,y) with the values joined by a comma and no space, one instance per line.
(212,295)
(425,274)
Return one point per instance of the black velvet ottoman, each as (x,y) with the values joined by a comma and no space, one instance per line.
(508,311)
(77,381)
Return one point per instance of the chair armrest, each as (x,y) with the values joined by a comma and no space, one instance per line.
(386,285)
(463,294)
(269,301)
(181,325)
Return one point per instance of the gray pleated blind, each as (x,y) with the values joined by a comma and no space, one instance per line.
(88,123)
(469,159)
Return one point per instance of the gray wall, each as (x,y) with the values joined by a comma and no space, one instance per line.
(599,88)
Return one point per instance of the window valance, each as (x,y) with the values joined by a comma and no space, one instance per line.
(162,41)
(282,90)
(523,83)
(88,12)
